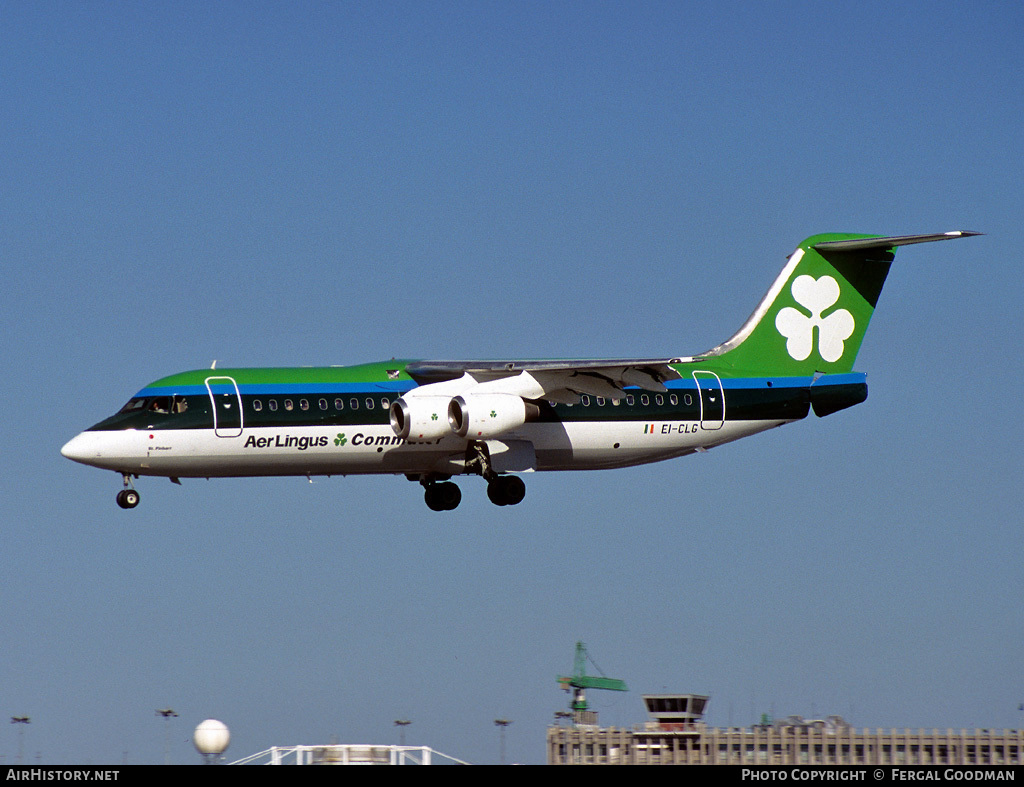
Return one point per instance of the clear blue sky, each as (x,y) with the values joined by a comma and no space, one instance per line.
(333,183)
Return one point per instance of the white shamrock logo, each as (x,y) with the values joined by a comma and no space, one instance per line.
(815,295)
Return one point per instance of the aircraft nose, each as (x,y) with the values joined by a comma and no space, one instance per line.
(78,449)
(119,450)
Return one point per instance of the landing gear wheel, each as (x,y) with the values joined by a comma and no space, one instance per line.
(443,497)
(506,490)
(127,498)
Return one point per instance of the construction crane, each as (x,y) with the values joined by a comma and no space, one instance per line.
(580,681)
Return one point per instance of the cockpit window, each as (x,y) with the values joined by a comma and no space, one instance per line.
(156,404)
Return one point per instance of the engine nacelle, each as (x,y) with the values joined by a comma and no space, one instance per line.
(476,416)
(421,417)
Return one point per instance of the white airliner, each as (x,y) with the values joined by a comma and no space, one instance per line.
(433,420)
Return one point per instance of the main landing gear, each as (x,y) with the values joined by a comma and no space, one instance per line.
(506,490)
(441,494)
(127,497)
(502,490)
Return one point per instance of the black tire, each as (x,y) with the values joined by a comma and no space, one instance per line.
(127,498)
(432,497)
(496,492)
(450,495)
(515,490)
(506,490)
(443,497)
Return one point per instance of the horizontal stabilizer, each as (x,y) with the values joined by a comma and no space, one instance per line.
(862,244)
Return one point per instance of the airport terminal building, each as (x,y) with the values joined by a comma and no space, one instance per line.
(677,735)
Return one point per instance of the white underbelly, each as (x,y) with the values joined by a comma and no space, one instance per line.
(375,449)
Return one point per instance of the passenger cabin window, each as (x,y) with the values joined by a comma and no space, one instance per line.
(273,405)
(257,405)
(303,404)
(323,404)
(353,403)
(339,404)
(288,404)
(369,403)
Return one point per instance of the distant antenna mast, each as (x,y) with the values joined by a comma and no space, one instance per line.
(580,681)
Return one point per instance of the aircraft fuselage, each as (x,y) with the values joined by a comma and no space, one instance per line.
(327,421)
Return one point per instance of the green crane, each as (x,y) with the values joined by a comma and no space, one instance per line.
(579,682)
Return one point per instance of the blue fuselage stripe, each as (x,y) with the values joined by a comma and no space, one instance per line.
(402,386)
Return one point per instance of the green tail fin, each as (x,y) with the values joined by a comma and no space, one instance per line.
(814,317)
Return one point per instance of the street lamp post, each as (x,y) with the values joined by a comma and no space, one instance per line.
(22,720)
(402,724)
(502,724)
(168,714)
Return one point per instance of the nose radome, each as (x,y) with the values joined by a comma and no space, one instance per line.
(112,450)
(77,448)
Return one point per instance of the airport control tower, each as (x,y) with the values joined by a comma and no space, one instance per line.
(675,712)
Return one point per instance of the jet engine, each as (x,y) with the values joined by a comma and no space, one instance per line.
(476,416)
(420,417)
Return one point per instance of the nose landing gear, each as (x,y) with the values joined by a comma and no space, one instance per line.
(127,497)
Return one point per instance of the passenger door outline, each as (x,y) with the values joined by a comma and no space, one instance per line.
(712,400)
(226,404)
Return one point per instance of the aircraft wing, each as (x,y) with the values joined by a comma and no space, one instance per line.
(557,380)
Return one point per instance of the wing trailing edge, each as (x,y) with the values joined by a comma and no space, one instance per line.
(558,380)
